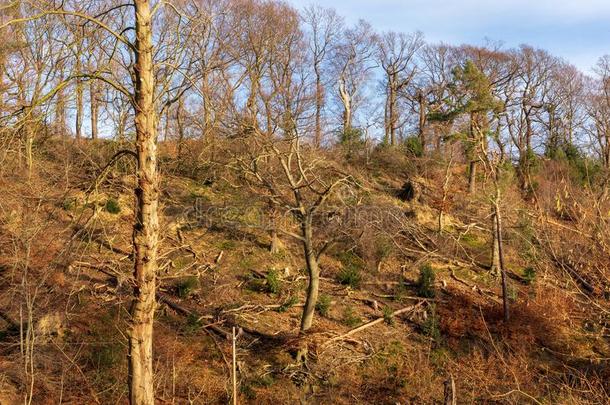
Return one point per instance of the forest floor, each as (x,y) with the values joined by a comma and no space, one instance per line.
(65,263)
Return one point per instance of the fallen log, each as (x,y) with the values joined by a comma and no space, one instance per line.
(373,322)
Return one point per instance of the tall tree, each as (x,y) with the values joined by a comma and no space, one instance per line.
(353,65)
(324,27)
(396,54)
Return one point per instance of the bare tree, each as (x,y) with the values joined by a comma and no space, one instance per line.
(324,27)
(353,65)
(396,54)
(293,180)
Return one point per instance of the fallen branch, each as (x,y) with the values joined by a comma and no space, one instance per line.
(373,322)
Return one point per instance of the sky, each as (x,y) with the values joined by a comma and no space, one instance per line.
(576,30)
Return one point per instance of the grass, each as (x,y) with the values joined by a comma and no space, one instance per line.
(193,324)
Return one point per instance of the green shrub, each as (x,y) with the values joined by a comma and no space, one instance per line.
(413,146)
(112,206)
(185,287)
(431,326)
(193,324)
(425,284)
(69,204)
(106,356)
(529,275)
(350,273)
(273,282)
(349,276)
(351,136)
(350,318)
(289,303)
(388,316)
(384,247)
(323,304)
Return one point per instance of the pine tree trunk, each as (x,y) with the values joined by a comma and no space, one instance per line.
(146,228)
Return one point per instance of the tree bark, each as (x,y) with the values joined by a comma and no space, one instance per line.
(146,227)
(392,115)
(79,102)
(180,128)
(94,108)
(319,107)
(501,259)
(422,121)
(495,245)
(472,177)
(314,276)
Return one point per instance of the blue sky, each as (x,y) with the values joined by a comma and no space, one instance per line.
(577,30)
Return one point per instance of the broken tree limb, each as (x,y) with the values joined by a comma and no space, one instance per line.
(373,322)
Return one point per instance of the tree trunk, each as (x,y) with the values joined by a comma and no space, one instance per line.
(347,108)
(314,277)
(501,257)
(94,108)
(497,218)
(29,154)
(422,121)
(319,106)
(146,227)
(495,245)
(472,177)
(79,102)
(392,119)
(180,128)
(60,111)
